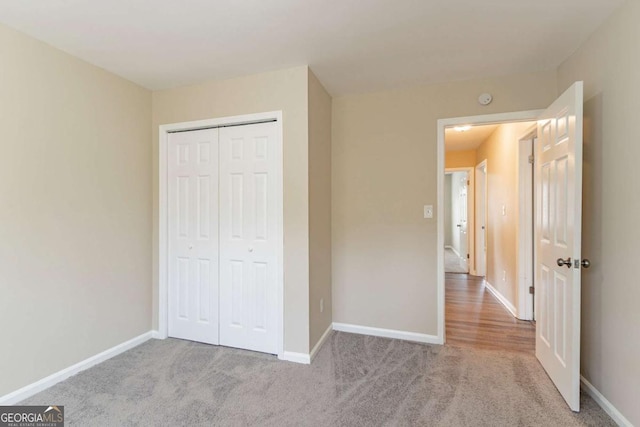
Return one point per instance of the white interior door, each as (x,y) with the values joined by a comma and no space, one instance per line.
(193,235)
(248,237)
(463,218)
(558,204)
(481,214)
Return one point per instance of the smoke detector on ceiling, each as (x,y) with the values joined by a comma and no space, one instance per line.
(485,99)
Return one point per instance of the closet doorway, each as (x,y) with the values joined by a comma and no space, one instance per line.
(222,232)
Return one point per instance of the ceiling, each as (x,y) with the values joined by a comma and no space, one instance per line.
(468,140)
(352,45)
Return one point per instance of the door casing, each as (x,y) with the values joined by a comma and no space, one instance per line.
(480,210)
(525,226)
(162,271)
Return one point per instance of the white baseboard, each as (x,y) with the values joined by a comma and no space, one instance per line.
(455,251)
(292,356)
(604,403)
(321,342)
(387,333)
(156,335)
(502,299)
(43,384)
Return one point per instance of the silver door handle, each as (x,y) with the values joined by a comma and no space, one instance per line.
(586,263)
(564,262)
(250,248)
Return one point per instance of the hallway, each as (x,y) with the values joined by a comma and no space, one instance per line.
(475,318)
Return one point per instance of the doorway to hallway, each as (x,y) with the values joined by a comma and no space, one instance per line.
(557,253)
(483,306)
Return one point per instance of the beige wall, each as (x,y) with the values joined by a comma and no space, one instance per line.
(383,172)
(460,159)
(609,63)
(319,209)
(75,210)
(500,150)
(284,90)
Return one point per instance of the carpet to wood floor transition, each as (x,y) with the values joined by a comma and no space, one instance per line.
(355,380)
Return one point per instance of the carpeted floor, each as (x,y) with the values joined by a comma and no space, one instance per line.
(452,262)
(354,381)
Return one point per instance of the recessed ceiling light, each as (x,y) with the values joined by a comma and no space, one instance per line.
(462,128)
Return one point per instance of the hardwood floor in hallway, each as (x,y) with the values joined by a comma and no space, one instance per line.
(475,318)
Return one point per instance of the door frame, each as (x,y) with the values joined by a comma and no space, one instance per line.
(442,124)
(476,211)
(525,227)
(471,216)
(164,131)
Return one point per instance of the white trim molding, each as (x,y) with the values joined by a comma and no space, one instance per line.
(53,379)
(611,410)
(503,300)
(163,131)
(316,348)
(525,225)
(480,169)
(306,359)
(442,124)
(292,356)
(387,333)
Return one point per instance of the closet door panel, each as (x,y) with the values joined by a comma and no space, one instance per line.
(193,235)
(248,233)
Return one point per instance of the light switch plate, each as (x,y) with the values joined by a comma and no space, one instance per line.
(428,211)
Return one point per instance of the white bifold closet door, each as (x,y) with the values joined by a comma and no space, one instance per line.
(193,235)
(223,236)
(248,237)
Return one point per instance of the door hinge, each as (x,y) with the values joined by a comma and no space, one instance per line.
(468,256)
(532,290)
(531,159)
(468,182)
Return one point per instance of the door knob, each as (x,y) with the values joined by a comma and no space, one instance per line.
(586,263)
(190,246)
(564,262)
(250,248)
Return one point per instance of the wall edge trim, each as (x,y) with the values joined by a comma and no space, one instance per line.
(321,342)
(388,333)
(292,356)
(503,300)
(602,401)
(53,379)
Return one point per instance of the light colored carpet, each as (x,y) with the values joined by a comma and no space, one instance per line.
(452,262)
(354,381)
